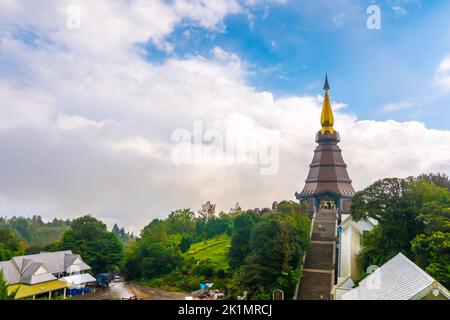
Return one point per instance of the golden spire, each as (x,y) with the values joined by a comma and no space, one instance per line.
(327,119)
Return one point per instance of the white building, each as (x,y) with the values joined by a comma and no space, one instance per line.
(45,273)
(350,234)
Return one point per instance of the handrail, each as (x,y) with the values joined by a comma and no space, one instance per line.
(304,255)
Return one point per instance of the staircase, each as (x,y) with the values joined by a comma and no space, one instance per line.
(317,280)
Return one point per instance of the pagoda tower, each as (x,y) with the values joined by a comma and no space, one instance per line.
(328,185)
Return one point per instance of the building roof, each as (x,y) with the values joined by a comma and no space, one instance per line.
(42,267)
(78,279)
(397,279)
(361,225)
(10,272)
(328,171)
(54,261)
(36,272)
(24,290)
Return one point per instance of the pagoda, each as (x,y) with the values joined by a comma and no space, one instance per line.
(328,185)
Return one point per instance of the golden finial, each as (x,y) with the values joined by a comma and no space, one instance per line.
(327,119)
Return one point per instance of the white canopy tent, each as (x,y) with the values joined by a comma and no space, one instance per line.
(78,280)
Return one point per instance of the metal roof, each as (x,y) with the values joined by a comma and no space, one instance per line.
(24,290)
(10,272)
(22,269)
(397,279)
(54,261)
(29,276)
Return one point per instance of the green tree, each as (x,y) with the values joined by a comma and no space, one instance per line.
(4,294)
(152,255)
(207,211)
(157,260)
(413,218)
(278,241)
(181,222)
(89,237)
(116,229)
(433,254)
(185,243)
(10,245)
(396,207)
(265,262)
(439,179)
(244,224)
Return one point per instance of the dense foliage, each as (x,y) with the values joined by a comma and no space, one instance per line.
(159,249)
(270,248)
(4,294)
(10,245)
(100,248)
(126,237)
(238,251)
(413,217)
(35,234)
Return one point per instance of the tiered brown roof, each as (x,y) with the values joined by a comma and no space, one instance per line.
(328,171)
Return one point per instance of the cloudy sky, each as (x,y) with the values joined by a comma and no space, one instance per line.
(91,93)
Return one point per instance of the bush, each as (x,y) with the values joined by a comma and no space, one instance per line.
(221,274)
(185,243)
(205,269)
(194,283)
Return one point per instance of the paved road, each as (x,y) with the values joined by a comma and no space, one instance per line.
(119,290)
(115,291)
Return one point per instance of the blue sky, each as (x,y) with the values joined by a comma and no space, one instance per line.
(87,114)
(288,47)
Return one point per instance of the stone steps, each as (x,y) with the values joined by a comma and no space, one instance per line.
(315,286)
(326,216)
(318,271)
(320,256)
(324,231)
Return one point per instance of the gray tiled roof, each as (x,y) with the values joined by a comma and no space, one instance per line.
(397,279)
(29,276)
(54,261)
(10,272)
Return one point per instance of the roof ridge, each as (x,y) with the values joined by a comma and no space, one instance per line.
(415,266)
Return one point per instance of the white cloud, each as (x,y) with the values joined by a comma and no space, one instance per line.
(66,122)
(138,145)
(338,19)
(399,10)
(31,108)
(442,76)
(59,161)
(401,105)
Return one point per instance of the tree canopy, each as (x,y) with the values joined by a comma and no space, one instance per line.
(100,249)
(10,245)
(271,247)
(413,217)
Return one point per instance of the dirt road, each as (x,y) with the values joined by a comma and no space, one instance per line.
(148,293)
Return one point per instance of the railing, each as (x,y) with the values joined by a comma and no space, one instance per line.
(297,288)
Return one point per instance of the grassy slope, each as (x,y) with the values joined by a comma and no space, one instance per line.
(215,249)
